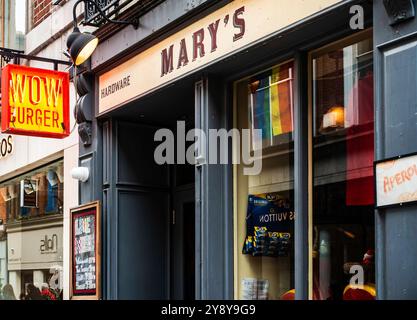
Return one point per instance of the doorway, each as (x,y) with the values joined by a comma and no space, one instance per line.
(152,214)
(182,228)
(183,244)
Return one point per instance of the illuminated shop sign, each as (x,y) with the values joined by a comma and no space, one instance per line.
(35,102)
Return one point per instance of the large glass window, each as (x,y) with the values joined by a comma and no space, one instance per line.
(343,153)
(264,203)
(31,226)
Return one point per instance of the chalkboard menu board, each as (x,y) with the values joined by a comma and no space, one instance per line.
(85,252)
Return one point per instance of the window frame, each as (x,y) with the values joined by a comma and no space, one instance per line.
(311,54)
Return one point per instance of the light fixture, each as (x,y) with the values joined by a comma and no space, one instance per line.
(80,173)
(81,45)
(334,117)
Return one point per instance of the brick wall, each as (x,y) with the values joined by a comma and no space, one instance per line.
(41,10)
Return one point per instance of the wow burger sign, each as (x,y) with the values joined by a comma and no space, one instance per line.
(35,102)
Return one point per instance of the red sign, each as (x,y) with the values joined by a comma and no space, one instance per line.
(35,102)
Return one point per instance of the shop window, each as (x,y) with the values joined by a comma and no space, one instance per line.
(343,154)
(264,203)
(35,194)
(31,207)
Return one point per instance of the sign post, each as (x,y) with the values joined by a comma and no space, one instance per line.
(85,260)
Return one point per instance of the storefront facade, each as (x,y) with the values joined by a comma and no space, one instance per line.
(36,187)
(39,260)
(311,79)
(32,209)
(33,204)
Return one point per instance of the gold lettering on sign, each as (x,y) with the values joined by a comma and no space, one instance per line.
(199,42)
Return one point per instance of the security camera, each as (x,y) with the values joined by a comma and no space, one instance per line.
(80,173)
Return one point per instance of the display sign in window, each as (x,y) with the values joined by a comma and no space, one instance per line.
(396,181)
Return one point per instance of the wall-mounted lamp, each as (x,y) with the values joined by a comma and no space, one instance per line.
(81,45)
(80,173)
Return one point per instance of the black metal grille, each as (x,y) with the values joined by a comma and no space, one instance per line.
(110,7)
(9,55)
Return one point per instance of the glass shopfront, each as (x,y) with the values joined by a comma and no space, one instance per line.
(342,202)
(264,206)
(31,210)
(343,155)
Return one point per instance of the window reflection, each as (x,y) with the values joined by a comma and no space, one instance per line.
(31,235)
(264,203)
(343,233)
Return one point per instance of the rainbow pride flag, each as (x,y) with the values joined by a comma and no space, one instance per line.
(271,102)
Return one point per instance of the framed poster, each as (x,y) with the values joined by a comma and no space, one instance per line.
(85,255)
(396,181)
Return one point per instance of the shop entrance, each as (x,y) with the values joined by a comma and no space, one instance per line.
(154,211)
(183,244)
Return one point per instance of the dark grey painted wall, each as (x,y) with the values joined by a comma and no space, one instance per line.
(396,132)
(214,197)
(136,206)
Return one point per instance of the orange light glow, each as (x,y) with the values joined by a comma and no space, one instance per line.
(335,117)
